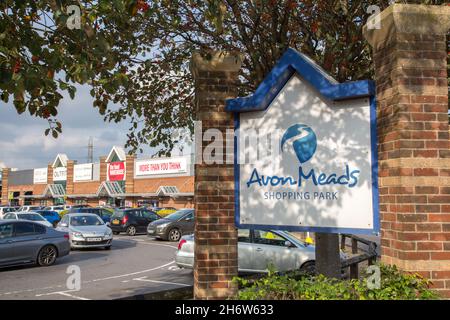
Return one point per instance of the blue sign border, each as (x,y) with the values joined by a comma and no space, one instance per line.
(290,63)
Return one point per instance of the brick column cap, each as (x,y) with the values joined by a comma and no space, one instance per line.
(409,18)
(215,61)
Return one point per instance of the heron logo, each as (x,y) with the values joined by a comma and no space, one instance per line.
(303,141)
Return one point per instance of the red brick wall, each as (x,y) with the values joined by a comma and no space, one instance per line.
(215,231)
(414,155)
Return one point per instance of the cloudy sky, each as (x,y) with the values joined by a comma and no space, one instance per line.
(23,144)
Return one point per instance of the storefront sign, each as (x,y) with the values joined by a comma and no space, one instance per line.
(322,173)
(116,171)
(40,175)
(59,174)
(82,172)
(160,166)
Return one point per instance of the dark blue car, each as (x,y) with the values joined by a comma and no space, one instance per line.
(103,213)
(51,216)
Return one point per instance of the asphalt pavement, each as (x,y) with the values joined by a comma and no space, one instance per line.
(134,265)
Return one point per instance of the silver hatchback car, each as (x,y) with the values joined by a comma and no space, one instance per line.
(259,250)
(86,230)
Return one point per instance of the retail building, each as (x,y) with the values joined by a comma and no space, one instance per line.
(117,179)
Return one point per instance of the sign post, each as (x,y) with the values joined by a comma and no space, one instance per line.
(306,156)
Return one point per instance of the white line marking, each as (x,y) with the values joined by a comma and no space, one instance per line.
(134,273)
(163,282)
(63,293)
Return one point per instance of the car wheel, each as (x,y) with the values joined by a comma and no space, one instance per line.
(107,248)
(131,231)
(174,234)
(116,232)
(308,268)
(47,256)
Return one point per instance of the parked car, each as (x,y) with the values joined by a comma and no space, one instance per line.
(24,242)
(257,250)
(29,208)
(132,221)
(30,216)
(4,210)
(86,230)
(173,226)
(51,216)
(103,213)
(58,209)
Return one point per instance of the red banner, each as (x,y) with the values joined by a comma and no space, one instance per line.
(116,171)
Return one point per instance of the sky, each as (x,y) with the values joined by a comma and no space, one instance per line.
(23,144)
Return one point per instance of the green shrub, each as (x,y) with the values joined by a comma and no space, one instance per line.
(395,285)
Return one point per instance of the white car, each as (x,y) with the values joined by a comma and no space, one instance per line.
(28,208)
(55,208)
(86,230)
(258,250)
(4,210)
(30,216)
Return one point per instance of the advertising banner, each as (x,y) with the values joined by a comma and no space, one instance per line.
(160,166)
(59,174)
(116,171)
(82,172)
(40,175)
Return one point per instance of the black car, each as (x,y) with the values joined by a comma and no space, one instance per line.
(173,226)
(103,213)
(132,221)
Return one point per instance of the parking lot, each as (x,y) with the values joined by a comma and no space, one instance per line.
(134,265)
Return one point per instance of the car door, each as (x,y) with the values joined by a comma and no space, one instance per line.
(270,250)
(28,239)
(141,220)
(6,244)
(245,251)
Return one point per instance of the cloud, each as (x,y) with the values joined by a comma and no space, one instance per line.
(24,145)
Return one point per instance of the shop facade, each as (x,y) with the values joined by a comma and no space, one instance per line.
(117,180)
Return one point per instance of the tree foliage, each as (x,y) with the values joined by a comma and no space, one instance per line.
(134,54)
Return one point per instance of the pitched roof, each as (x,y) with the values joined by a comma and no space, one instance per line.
(292,62)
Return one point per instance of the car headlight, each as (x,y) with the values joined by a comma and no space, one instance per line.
(108,233)
(162,226)
(77,234)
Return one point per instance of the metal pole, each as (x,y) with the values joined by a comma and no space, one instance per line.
(328,260)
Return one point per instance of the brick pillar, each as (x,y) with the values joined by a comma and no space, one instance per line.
(5,178)
(129,180)
(49,174)
(215,231)
(103,169)
(69,181)
(410,71)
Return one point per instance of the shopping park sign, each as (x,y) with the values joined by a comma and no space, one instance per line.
(160,166)
(320,169)
(116,171)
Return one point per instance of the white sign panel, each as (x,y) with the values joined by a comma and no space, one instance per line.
(40,175)
(82,172)
(160,166)
(321,178)
(59,174)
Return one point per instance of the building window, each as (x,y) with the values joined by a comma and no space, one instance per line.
(80,201)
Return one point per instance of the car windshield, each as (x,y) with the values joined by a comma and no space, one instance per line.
(85,221)
(177,215)
(118,214)
(31,217)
